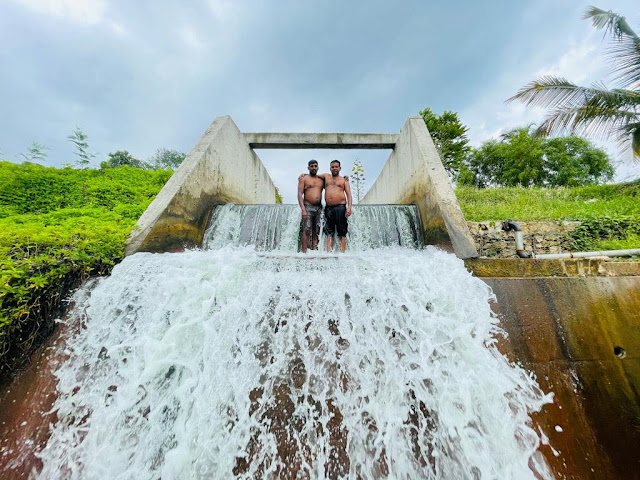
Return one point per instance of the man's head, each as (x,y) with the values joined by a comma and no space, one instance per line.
(334,167)
(313,167)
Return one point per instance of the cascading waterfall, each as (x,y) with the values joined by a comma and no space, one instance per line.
(230,362)
(277,227)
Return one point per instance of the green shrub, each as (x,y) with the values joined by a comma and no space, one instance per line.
(57,227)
(607,233)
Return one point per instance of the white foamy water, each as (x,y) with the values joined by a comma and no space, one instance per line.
(277,227)
(223,363)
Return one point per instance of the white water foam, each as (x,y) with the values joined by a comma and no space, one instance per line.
(223,363)
(277,227)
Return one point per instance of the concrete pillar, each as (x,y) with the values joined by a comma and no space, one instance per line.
(414,174)
(221,168)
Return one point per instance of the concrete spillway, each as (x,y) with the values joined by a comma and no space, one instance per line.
(384,362)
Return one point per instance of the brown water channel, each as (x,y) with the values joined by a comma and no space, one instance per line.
(580,336)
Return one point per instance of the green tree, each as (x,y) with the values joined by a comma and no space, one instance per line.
(278,196)
(81,142)
(35,153)
(357,175)
(521,158)
(595,110)
(166,158)
(449,136)
(122,158)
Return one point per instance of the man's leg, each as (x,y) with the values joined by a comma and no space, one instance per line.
(343,244)
(315,229)
(329,243)
(305,239)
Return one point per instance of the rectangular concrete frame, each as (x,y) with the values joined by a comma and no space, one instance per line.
(322,140)
(221,168)
(414,174)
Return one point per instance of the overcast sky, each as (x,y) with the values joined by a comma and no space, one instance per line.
(142,75)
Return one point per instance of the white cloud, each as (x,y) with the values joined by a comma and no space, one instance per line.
(191,38)
(579,62)
(88,12)
(224,10)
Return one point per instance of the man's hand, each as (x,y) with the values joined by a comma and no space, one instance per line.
(304,214)
(348,214)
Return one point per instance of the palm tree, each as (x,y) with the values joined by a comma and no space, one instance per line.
(595,110)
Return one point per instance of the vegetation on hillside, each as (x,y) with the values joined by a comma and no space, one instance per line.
(58,226)
(610,214)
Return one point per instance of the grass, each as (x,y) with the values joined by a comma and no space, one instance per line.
(610,214)
(529,204)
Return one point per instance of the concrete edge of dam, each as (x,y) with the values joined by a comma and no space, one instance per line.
(221,168)
(415,174)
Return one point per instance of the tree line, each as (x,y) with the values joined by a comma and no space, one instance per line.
(518,158)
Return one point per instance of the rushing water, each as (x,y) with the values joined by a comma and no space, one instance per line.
(271,227)
(232,362)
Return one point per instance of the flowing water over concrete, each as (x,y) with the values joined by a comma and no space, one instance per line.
(271,227)
(226,362)
(234,362)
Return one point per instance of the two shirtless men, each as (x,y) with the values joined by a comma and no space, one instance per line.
(337,196)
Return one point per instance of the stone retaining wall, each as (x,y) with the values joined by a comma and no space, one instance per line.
(539,237)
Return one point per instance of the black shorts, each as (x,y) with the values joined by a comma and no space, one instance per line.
(335,220)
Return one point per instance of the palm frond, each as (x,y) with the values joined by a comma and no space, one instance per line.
(556,92)
(633,130)
(549,91)
(624,57)
(602,123)
(624,53)
(614,24)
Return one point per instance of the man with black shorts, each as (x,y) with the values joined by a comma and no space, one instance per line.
(310,200)
(337,197)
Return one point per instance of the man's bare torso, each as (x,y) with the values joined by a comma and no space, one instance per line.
(313,186)
(334,189)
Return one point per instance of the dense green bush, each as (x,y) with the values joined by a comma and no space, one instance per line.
(58,226)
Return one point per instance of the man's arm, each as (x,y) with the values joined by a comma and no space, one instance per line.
(347,190)
(301,196)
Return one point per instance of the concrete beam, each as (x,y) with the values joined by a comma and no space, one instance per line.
(322,140)
(414,174)
(221,168)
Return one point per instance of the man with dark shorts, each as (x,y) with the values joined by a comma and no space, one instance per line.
(337,197)
(310,200)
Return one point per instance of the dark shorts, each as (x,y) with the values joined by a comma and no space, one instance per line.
(314,215)
(336,220)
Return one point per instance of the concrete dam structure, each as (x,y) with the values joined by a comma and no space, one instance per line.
(224,168)
(216,350)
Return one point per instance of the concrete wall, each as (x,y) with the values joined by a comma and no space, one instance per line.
(414,174)
(221,168)
(566,331)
